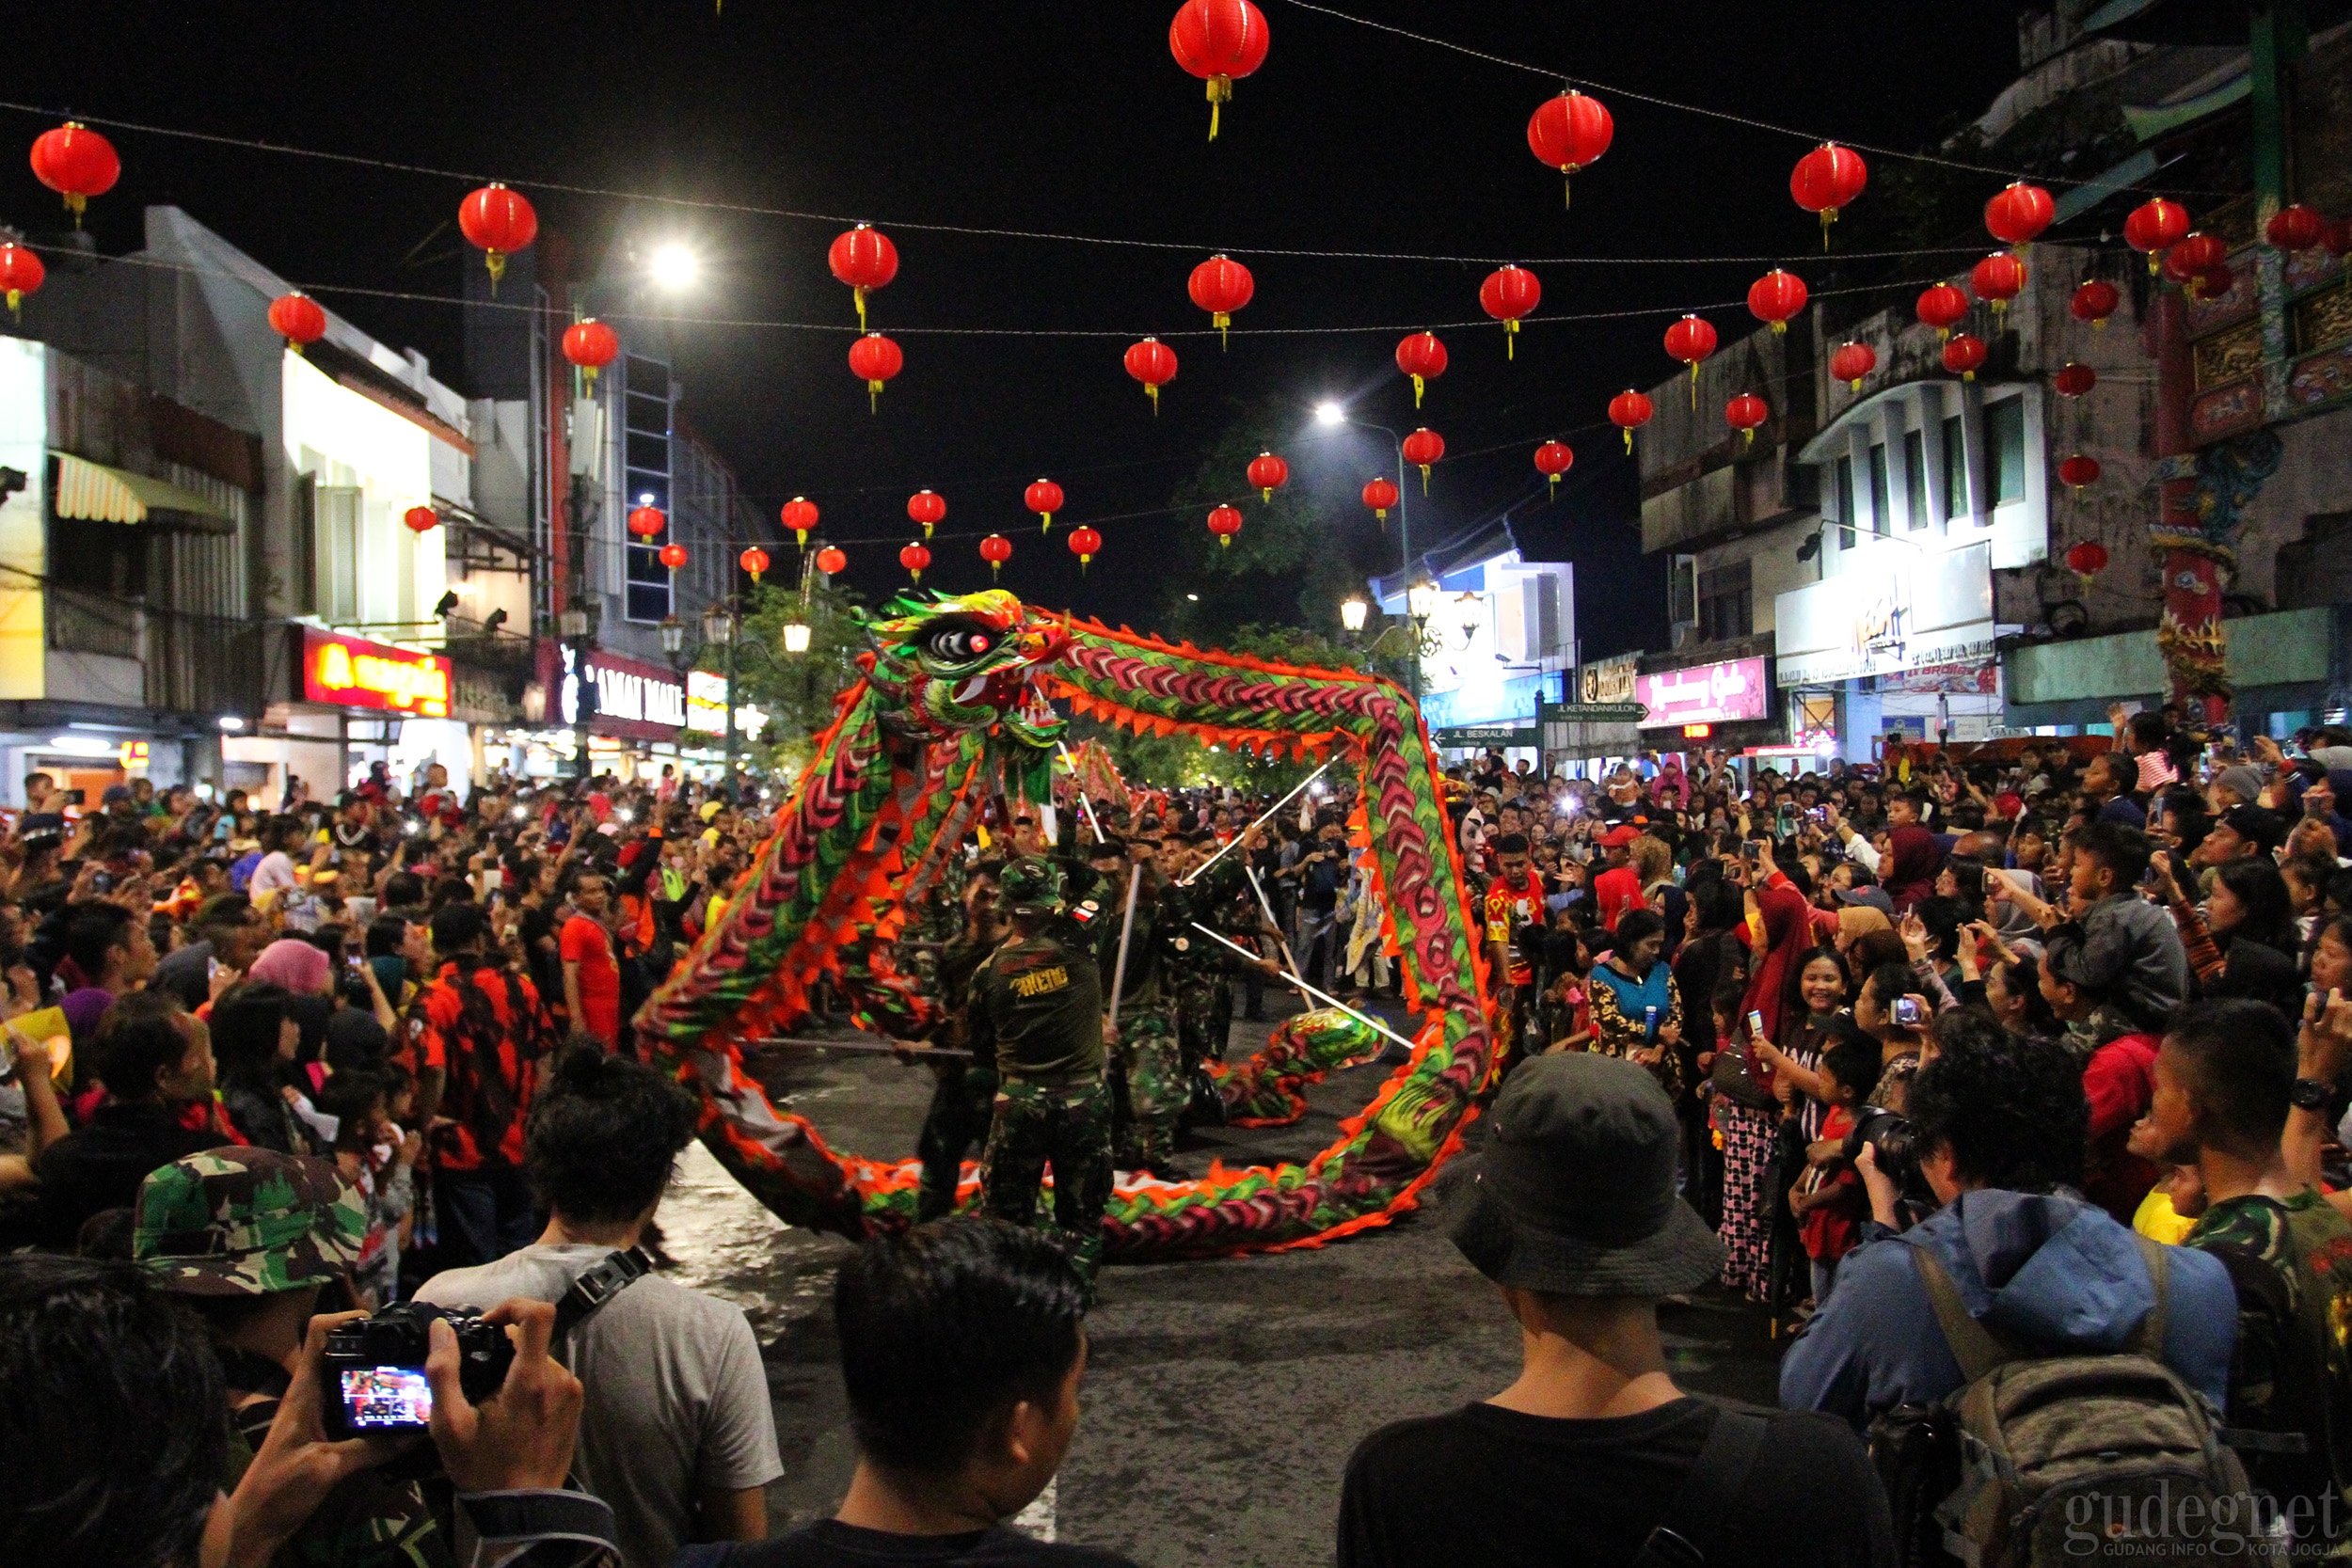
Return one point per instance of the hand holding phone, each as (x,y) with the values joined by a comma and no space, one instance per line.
(1910,1013)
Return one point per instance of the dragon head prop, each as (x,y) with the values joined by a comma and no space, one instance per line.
(964,663)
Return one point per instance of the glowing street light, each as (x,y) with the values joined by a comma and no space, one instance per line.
(1352,613)
(1330,415)
(674,266)
(1421,600)
(796,636)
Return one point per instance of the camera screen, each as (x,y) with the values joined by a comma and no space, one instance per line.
(380,1399)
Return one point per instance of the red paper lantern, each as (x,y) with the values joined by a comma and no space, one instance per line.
(1569,133)
(2214,282)
(831,562)
(1219,41)
(1776,297)
(996,549)
(1221,286)
(1154,363)
(1269,473)
(800,515)
(298,318)
(1852,362)
(2088,558)
(2156,226)
(929,508)
(672,555)
(647,521)
(865,259)
(421,519)
(2193,256)
(1043,496)
(1508,293)
(2077,472)
(1085,543)
(2073,380)
(1380,495)
(1744,413)
(2018,212)
(1423,447)
(1941,305)
(754,561)
(1964,355)
(2094,302)
(498,222)
(590,345)
(21,273)
(915,558)
(1552,459)
(1629,411)
(2295,227)
(77,163)
(1827,179)
(1225,521)
(875,359)
(1998,279)
(1691,339)
(1422,357)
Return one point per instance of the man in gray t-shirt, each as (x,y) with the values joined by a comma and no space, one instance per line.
(676,1433)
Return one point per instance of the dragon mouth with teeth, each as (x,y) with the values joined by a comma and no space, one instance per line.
(967,663)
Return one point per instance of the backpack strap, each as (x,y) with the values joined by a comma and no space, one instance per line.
(2148,1342)
(1707,1493)
(1977,1348)
(592,1289)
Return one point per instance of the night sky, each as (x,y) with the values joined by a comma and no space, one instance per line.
(1071,118)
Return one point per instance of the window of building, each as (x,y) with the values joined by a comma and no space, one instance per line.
(2005,444)
(1955,470)
(1882,501)
(1916,478)
(645,482)
(1843,485)
(1726,602)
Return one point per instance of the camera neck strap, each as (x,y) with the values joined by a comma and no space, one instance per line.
(600,1284)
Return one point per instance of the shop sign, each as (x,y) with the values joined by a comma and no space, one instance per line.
(1609,680)
(628,699)
(352,671)
(706,706)
(1887,616)
(1483,735)
(1721,693)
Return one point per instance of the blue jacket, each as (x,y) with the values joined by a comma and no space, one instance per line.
(2054,1272)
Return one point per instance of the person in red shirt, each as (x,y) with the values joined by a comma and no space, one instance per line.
(2120,1081)
(592,976)
(475,1038)
(1513,908)
(1828,1199)
(1618,889)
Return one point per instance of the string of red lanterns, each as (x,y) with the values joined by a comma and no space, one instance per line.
(996,549)
(800,515)
(2094,301)
(1422,449)
(1852,362)
(1268,474)
(497,221)
(1152,363)
(864,258)
(672,555)
(1421,356)
(1552,459)
(832,562)
(754,561)
(77,163)
(1085,543)
(1219,41)
(590,345)
(2156,226)
(929,508)
(1826,180)
(1508,293)
(1379,495)
(1776,297)
(1220,286)
(1963,356)
(1744,413)
(1629,410)
(1225,521)
(646,520)
(1996,281)
(1043,496)
(1941,306)
(915,558)
(874,359)
(2017,213)
(1691,339)
(1569,133)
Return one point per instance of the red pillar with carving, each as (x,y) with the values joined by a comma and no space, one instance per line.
(2191,635)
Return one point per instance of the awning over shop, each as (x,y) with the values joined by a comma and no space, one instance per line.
(93,492)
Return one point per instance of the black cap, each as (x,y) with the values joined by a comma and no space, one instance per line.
(1574,1194)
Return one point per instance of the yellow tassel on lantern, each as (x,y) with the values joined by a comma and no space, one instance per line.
(1417,387)
(1694,391)
(16,297)
(1424,478)
(496,261)
(1781,327)
(1829,215)
(1224,541)
(1267,494)
(1221,321)
(1380,514)
(1628,441)
(858,294)
(1555,486)
(799,537)
(1220,91)
(1511,339)
(927,531)
(1748,436)
(873,397)
(1047,525)
(1153,393)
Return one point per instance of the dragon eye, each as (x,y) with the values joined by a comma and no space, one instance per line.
(958,644)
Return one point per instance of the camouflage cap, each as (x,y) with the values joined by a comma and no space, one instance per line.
(1032,885)
(246,1222)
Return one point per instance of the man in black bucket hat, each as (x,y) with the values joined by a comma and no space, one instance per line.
(1593,1456)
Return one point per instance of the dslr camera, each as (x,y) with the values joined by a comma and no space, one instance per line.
(376,1368)
(1892,1136)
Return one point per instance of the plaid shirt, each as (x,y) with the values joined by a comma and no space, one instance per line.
(485,1031)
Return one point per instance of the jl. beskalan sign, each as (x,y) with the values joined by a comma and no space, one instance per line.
(352,671)
(1705,694)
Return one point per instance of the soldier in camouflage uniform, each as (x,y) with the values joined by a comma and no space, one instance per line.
(964,1093)
(1149,1083)
(1037,1005)
(229,1225)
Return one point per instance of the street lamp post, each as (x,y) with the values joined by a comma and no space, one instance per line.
(1331,416)
(718,626)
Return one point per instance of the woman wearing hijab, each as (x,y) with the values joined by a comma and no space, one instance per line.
(1780,930)
(1912,858)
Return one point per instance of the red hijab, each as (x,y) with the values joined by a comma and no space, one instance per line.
(1787,932)
(1912,858)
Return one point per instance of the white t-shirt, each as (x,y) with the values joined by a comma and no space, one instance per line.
(275,874)
(676,1400)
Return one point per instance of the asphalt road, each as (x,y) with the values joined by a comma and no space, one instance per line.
(1224,1397)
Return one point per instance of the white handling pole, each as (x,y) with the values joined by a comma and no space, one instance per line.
(1288,956)
(1327,1000)
(1085,807)
(1186,880)
(1126,931)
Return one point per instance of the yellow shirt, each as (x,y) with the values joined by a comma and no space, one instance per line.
(2156,1221)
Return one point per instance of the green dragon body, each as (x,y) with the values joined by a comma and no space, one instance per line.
(955,706)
